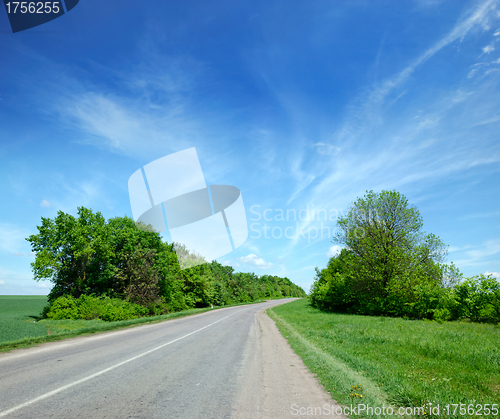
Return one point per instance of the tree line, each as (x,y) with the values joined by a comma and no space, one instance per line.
(88,257)
(389,267)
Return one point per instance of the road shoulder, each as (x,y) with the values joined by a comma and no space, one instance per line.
(277,384)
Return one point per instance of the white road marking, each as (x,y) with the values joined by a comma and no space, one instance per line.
(90,377)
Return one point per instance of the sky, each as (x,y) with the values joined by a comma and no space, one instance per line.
(304,106)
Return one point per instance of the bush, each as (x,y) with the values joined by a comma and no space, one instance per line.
(65,307)
(88,307)
(477,299)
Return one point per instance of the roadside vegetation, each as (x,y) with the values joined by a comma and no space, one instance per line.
(396,362)
(115,270)
(389,267)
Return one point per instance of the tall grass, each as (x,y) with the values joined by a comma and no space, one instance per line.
(393,361)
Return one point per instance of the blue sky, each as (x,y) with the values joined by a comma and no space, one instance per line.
(302,105)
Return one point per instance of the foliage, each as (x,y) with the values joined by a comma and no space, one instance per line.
(90,256)
(477,299)
(87,307)
(140,277)
(388,266)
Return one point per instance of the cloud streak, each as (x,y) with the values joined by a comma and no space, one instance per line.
(255,261)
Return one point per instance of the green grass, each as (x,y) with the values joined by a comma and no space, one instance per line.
(392,361)
(17,316)
(17,329)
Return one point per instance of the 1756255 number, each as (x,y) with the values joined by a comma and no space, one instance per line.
(33,7)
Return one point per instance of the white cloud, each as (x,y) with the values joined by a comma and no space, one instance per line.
(458,248)
(367,113)
(493,274)
(130,123)
(74,194)
(482,214)
(479,254)
(253,260)
(334,250)
(2,282)
(327,149)
(489,48)
(497,33)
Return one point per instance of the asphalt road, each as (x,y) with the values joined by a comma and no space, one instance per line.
(194,367)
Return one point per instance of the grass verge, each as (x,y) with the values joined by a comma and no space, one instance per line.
(394,362)
(53,330)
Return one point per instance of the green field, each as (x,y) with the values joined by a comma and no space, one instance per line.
(19,315)
(21,326)
(391,361)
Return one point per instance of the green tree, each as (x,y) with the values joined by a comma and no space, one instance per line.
(84,254)
(388,264)
(72,252)
(140,277)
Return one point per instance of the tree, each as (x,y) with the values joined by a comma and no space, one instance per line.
(390,257)
(331,289)
(72,252)
(84,254)
(140,277)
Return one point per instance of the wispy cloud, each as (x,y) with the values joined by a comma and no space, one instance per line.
(326,149)
(255,261)
(367,109)
(488,48)
(458,248)
(124,126)
(480,215)
(479,255)
(66,195)
(403,150)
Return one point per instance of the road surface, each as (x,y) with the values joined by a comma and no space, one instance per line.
(226,363)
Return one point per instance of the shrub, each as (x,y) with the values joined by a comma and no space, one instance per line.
(89,307)
(65,307)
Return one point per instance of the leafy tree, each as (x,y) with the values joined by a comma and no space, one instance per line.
(388,265)
(73,253)
(331,290)
(84,254)
(140,277)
